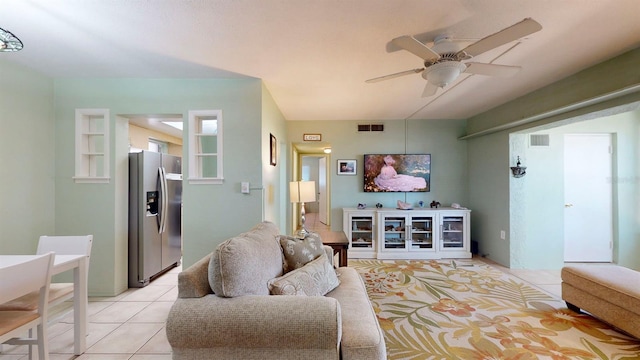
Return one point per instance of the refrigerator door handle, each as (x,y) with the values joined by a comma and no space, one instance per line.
(163,198)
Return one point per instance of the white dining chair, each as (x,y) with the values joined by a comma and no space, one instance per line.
(64,245)
(20,279)
(58,292)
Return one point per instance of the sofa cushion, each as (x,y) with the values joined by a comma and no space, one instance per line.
(298,252)
(244,264)
(316,278)
(362,337)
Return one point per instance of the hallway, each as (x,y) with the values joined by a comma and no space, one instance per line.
(312,223)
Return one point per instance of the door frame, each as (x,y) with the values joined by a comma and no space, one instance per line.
(296,175)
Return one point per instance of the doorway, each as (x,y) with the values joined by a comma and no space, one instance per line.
(588,206)
(314,168)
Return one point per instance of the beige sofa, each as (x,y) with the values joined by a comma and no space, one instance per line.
(243,321)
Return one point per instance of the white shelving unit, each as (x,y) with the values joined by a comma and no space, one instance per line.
(408,234)
(359,226)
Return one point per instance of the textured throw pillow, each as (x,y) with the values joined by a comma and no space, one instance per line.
(316,278)
(243,265)
(298,252)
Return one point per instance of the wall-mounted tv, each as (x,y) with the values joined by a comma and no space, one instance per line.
(397,173)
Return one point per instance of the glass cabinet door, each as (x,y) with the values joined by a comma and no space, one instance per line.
(452,232)
(421,233)
(362,232)
(395,232)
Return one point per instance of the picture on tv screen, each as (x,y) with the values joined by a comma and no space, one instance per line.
(397,173)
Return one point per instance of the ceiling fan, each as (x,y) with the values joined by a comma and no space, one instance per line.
(443,62)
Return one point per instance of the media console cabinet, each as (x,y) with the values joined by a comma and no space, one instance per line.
(388,233)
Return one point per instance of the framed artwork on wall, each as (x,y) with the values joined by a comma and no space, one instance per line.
(347,167)
(273,150)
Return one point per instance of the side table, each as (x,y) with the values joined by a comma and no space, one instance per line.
(339,243)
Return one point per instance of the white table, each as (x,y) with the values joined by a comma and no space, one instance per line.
(62,263)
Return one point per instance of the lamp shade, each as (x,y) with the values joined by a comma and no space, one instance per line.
(302,191)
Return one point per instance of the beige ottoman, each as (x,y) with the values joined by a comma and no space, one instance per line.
(609,292)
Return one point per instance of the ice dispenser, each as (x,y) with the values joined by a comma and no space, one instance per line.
(152,203)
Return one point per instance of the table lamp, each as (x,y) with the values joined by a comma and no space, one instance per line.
(302,192)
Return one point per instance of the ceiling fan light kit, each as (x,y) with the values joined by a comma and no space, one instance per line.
(444,73)
(443,62)
(9,42)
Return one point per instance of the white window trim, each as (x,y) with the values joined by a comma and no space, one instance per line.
(80,165)
(194,165)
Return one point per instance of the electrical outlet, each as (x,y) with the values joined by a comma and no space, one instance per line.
(503,235)
(244,187)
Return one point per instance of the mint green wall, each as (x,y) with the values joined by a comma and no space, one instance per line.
(489,194)
(490,154)
(545,190)
(27,158)
(618,73)
(274,185)
(436,137)
(210,211)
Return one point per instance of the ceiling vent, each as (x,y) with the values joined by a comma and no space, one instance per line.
(370,127)
(539,140)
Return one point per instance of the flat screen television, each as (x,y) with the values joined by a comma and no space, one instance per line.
(397,172)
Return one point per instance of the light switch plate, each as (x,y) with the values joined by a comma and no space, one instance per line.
(244,187)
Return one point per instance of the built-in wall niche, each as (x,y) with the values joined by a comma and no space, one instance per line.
(92,146)
(205,147)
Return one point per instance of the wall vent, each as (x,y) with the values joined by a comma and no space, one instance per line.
(370,127)
(539,140)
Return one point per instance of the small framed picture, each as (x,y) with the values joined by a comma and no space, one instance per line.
(273,150)
(347,167)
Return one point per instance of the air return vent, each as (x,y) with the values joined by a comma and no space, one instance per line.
(370,127)
(539,140)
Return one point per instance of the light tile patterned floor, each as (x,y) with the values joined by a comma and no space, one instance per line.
(131,326)
(128,326)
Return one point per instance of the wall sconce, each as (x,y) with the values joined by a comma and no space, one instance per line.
(518,171)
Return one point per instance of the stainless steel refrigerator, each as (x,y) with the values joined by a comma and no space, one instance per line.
(155,212)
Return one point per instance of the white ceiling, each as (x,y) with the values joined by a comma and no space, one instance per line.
(315,55)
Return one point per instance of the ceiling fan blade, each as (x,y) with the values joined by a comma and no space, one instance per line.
(429,90)
(415,47)
(392,76)
(492,69)
(514,32)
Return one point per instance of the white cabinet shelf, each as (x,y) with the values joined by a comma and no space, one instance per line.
(359,226)
(407,234)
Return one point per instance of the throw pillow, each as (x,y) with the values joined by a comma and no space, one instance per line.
(244,264)
(298,252)
(316,278)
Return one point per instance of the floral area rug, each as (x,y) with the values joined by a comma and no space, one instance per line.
(466,309)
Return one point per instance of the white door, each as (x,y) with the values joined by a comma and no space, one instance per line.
(322,190)
(588,219)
